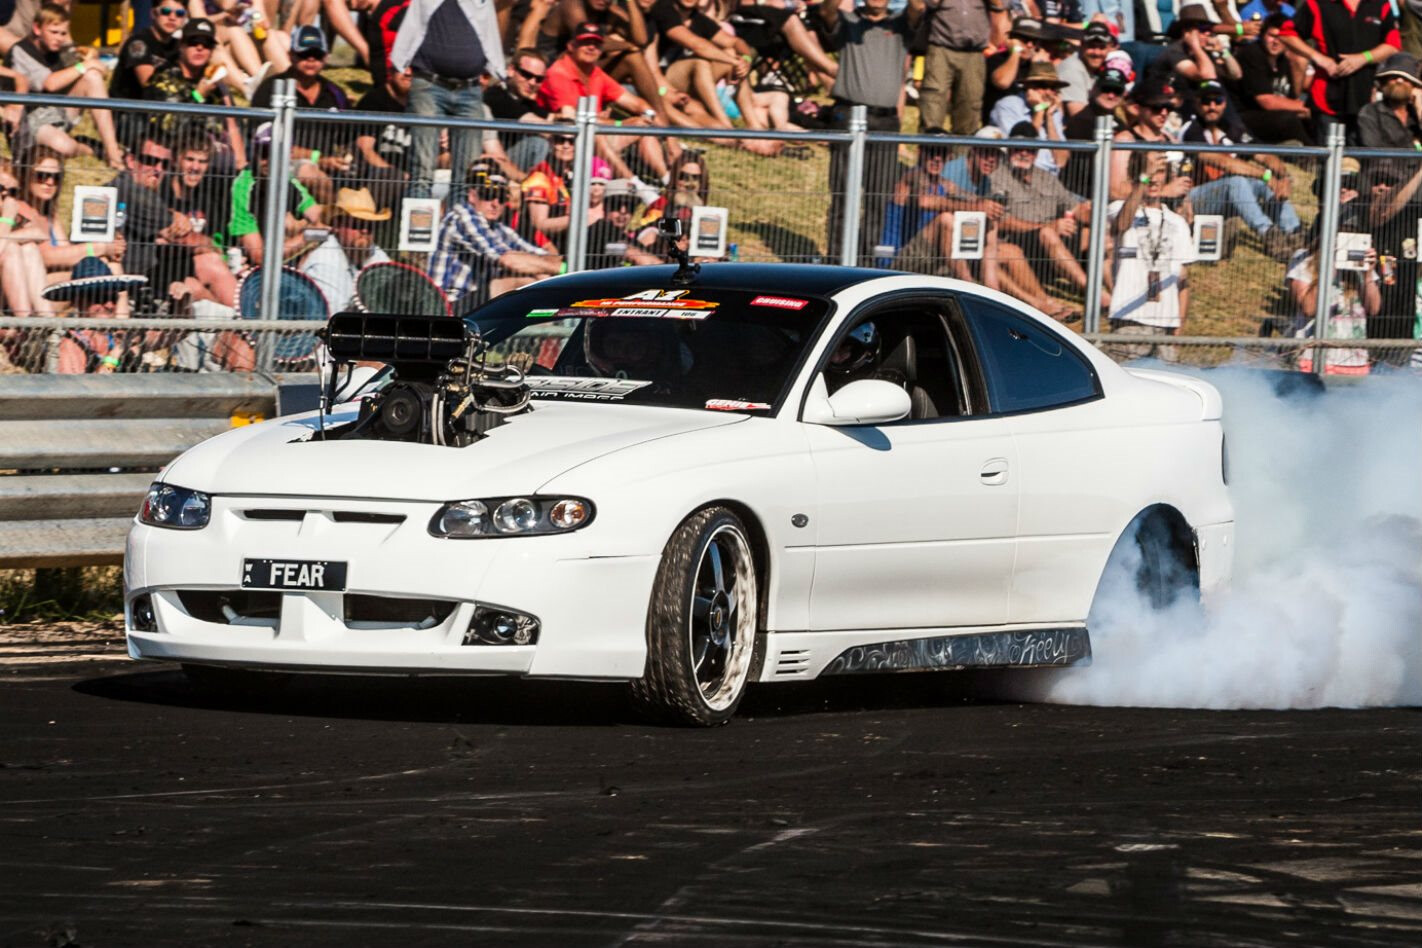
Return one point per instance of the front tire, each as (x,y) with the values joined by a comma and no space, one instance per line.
(700,623)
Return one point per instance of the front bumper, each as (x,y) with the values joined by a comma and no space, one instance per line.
(591,609)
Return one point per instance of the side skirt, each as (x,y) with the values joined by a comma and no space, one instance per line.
(1022,649)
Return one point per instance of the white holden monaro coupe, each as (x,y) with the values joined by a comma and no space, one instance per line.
(687,481)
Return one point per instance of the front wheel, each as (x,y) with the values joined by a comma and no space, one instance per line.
(701,623)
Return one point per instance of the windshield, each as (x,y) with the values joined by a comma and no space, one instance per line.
(727,350)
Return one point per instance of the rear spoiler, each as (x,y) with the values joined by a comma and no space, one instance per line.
(1212,405)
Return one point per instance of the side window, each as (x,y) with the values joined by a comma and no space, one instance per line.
(1027,366)
(904,343)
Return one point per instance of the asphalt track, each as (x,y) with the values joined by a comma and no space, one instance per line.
(907,810)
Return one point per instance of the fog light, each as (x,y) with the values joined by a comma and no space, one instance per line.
(495,625)
(140,614)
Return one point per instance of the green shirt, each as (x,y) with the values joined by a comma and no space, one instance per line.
(244,215)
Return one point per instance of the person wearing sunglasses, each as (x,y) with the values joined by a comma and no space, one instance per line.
(161,243)
(1254,188)
(1152,104)
(142,54)
(51,64)
(319,152)
(195,77)
(477,256)
(516,100)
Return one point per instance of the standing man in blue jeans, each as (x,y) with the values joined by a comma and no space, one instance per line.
(448,46)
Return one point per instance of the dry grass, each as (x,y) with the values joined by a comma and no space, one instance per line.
(89,593)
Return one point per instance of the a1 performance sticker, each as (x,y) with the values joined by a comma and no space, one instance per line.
(651,304)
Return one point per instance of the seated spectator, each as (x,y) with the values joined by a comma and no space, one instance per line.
(40,238)
(192,77)
(1027,41)
(1039,106)
(97,293)
(1391,214)
(1196,56)
(516,100)
(50,63)
(141,55)
(313,91)
(1394,120)
(1080,70)
(550,26)
(547,195)
(1153,101)
(195,191)
(249,199)
(1253,187)
(1108,94)
(688,186)
(576,74)
(382,155)
(1152,247)
(1043,218)
(1266,91)
(918,222)
(161,244)
(696,54)
(477,256)
(335,263)
(251,41)
(611,240)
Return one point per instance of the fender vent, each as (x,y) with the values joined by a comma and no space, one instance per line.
(274,514)
(349,516)
(792,663)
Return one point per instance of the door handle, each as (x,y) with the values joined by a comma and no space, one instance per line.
(994,472)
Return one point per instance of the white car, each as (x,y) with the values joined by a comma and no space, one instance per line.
(687,481)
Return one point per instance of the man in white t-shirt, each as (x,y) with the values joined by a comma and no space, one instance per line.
(1150,294)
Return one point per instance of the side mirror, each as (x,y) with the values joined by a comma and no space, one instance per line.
(865,402)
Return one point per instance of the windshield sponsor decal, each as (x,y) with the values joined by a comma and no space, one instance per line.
(586,389)
(649,304)
(780,302)
(735,404)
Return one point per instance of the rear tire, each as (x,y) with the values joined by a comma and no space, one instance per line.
(700,623)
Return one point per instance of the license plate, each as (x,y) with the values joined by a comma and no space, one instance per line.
(327,575)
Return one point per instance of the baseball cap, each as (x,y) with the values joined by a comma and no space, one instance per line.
(307,38)
(1024,129)
(991,132)
(484,173)
(1031,28)
(198,29)
(1154,92)
(593,31)
(1112,79)
(601,171)
(1098,32)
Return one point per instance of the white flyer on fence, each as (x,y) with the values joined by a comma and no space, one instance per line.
(419,224)
(969,235)
(708,231)
(1209,236)
(95,214)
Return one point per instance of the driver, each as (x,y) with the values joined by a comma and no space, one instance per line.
(634,348)
(856,357)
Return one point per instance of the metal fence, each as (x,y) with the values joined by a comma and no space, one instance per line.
(356,190)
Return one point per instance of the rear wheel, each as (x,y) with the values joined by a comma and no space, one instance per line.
(701,623)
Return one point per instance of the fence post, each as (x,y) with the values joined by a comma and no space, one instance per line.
(274,220)
(1327,240)
(853,187)
(1096,240)
(586,120)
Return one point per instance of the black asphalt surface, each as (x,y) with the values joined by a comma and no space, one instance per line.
(138,811)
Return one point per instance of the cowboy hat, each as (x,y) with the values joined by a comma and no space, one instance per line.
(360,204)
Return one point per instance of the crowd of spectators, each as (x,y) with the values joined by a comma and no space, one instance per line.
(1027,77)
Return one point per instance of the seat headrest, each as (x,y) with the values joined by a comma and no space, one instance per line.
(903,359)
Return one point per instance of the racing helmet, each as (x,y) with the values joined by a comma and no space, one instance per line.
(630,348)
(856,352)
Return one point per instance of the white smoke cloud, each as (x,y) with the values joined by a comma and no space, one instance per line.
(1325,608)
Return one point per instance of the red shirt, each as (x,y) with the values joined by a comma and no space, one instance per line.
(564,85)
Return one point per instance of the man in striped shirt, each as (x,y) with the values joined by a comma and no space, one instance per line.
(477,256)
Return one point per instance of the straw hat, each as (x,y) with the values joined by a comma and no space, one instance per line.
(360,204)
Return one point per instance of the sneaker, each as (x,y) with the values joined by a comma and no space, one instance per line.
(249,88)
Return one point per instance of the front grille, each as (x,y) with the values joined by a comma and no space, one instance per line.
(231,606)
(350,516)
(296,515)
(388,610)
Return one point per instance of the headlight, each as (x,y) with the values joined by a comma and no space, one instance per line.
(510,517)
(177,508)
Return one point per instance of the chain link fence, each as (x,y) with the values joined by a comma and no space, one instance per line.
(377,213)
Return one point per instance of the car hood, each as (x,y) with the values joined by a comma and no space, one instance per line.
(518,457)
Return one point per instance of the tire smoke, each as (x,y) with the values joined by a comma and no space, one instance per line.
(1325,607)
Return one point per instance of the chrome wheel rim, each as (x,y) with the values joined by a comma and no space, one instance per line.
(721,616)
